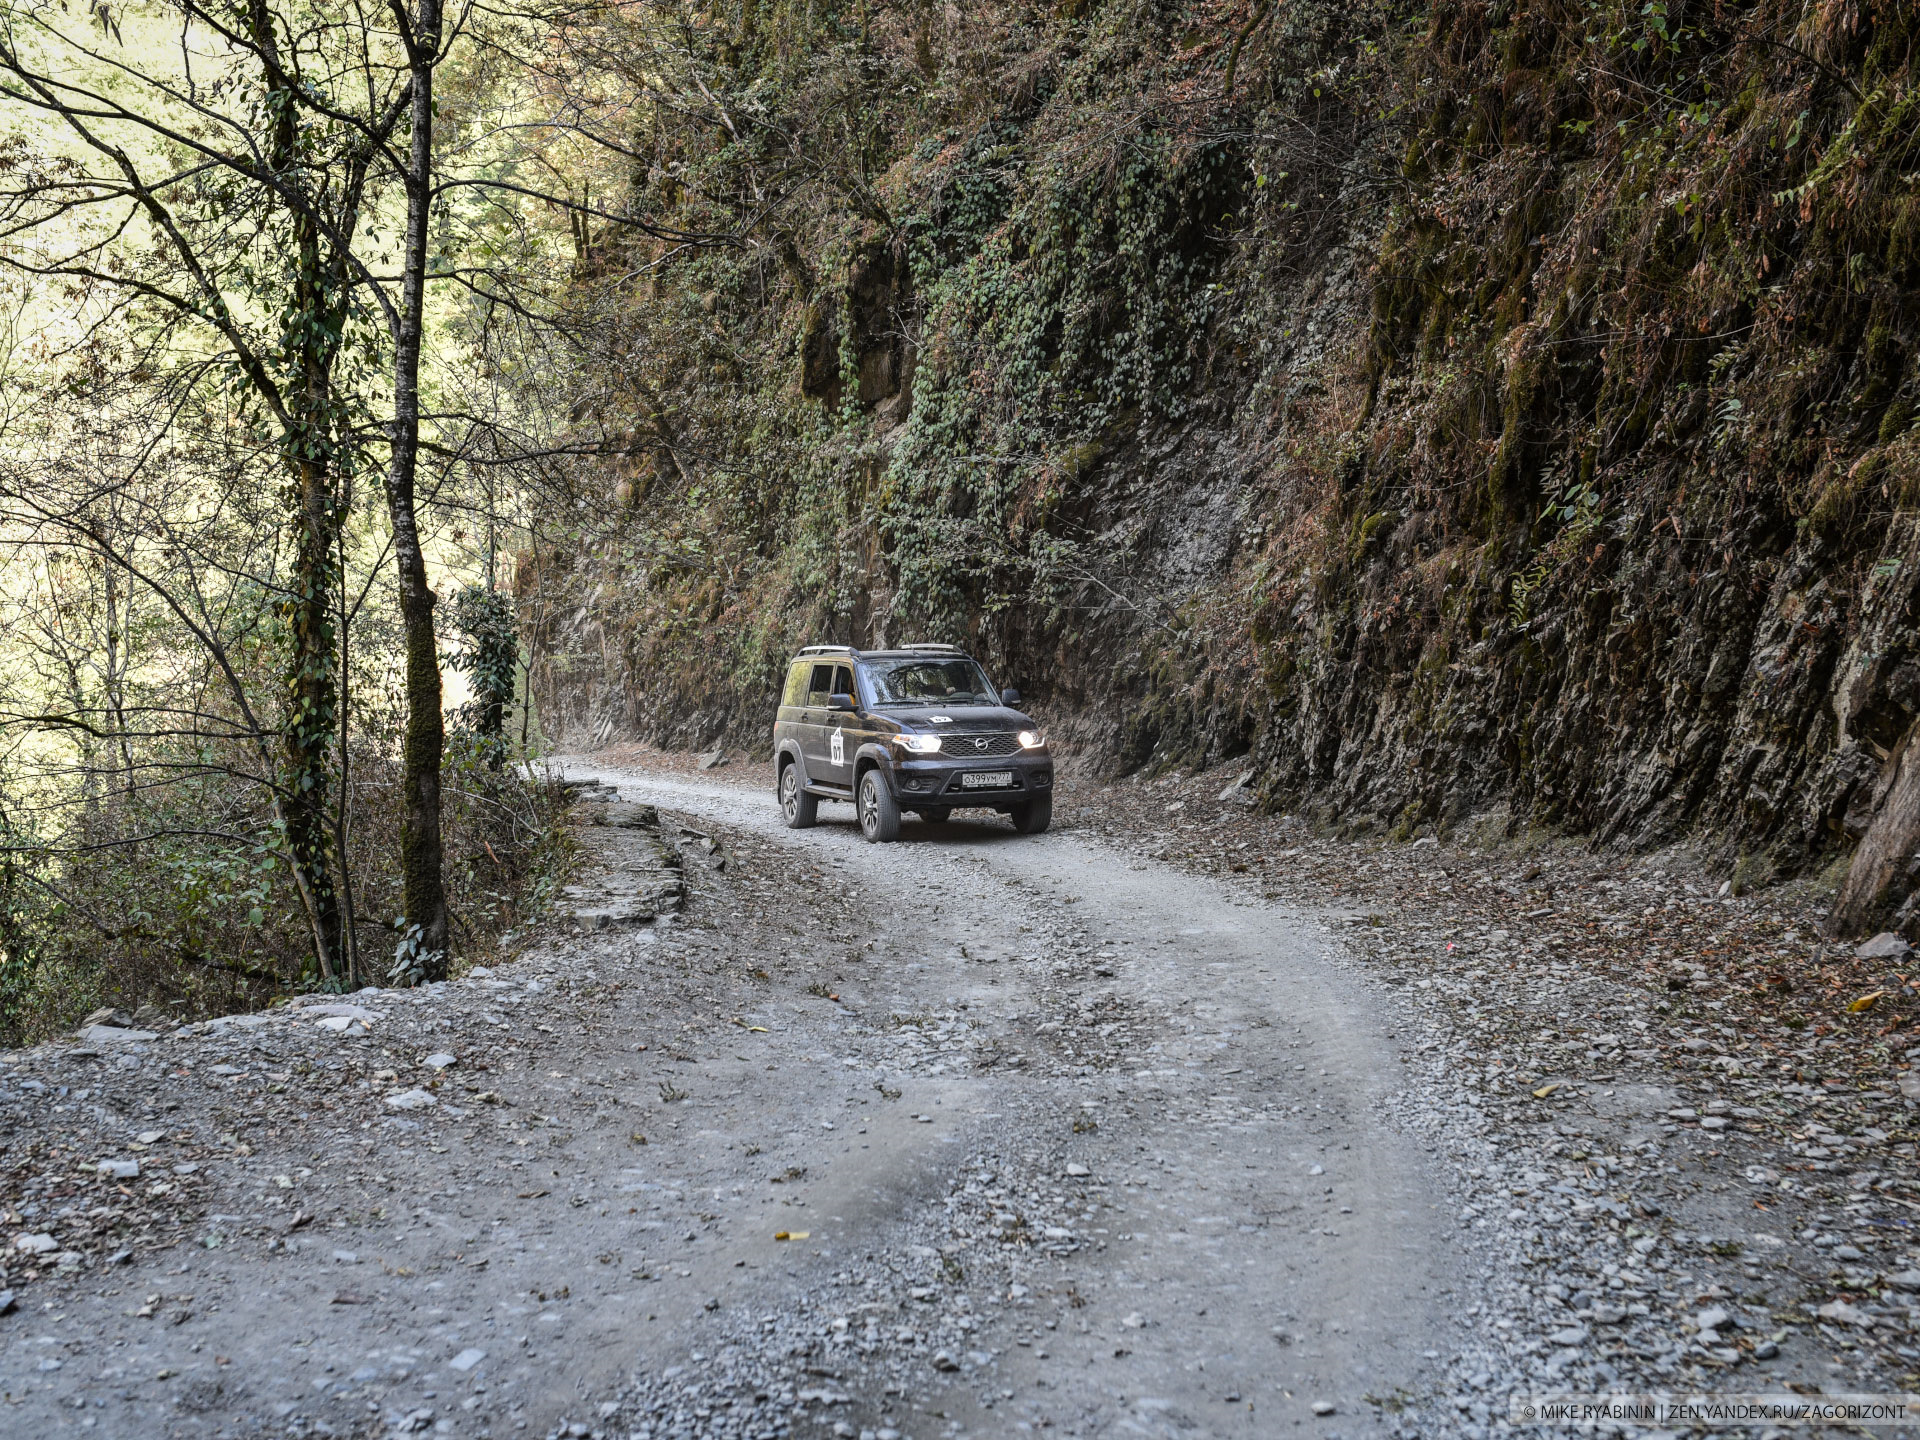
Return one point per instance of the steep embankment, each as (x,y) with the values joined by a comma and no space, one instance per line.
(1451,405)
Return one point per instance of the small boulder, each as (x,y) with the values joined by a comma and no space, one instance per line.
(1841,1313)
(1240,791)
(115,1035)
(339,1009)
(1884,946)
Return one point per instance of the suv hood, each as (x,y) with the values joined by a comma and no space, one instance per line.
(966,719)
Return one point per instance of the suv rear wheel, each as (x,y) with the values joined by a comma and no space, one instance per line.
(801,809)
(1034,816)
(879,815)
(937,815)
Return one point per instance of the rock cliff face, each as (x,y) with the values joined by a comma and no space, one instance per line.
(1470,407)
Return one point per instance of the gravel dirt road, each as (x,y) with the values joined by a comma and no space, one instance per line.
(1103,1132)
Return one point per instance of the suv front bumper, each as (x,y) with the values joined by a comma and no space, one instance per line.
(941,780)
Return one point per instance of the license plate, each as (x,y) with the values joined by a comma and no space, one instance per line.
(987,780)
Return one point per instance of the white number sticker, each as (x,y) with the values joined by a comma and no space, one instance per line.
(839,748)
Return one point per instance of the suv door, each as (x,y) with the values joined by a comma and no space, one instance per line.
(840,731)
(811,732)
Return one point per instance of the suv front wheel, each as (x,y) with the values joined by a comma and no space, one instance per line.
(879,814)
(801,809)
(1034,816)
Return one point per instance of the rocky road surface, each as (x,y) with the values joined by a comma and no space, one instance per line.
(1176,1121)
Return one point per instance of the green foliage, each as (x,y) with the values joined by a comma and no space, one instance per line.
(1084,312)
(1653,218)
(23,922)
(1577,511)
(197,925)
(1003,257)
(484,618)
(202,922)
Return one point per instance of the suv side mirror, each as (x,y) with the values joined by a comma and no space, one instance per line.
(841,702)
(1009,696)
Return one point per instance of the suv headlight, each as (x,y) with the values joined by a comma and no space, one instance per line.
(919,744)
(1032,740)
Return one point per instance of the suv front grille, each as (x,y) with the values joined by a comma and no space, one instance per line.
(963,746)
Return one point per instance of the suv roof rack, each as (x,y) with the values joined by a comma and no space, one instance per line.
(932,645)
(828,650)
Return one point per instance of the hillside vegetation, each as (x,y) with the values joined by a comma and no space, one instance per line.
(1449,407)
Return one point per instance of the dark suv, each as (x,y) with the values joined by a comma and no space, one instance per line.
(919,728)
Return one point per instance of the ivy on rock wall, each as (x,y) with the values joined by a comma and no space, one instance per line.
(1083,310)
(1637,436)
(903,404)
(1473,405)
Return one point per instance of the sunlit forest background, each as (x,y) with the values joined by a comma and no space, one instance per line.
(285,294)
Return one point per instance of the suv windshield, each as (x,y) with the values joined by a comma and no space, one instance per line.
(920,682)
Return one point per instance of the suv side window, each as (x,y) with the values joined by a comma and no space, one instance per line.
(796,692)
(820,686)
(843,683)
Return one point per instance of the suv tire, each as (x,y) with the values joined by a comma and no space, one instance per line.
(801,809)
(879,814)
(1034,816)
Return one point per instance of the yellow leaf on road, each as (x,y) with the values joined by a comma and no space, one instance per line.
(1865,1002)
(1546,1090)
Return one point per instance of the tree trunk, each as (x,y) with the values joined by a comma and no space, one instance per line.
(420,845)
(309,337)
(312,700)
(343,812)
(119,643)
